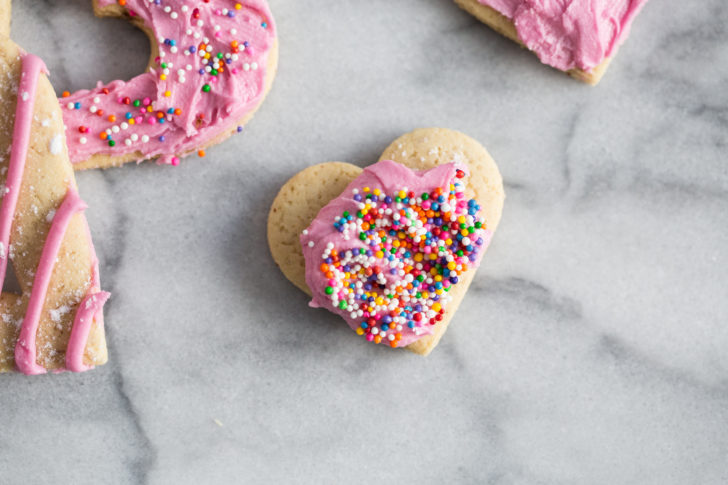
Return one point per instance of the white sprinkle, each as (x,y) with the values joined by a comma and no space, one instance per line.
(56,145)
(25,96)
(82,140)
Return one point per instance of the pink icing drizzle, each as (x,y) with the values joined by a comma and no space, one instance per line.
(25,348)
(204,116)
(568,34)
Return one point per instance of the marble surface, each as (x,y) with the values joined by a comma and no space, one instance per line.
(592,348)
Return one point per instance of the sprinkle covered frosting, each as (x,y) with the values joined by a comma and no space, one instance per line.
(386,254)
(209,74)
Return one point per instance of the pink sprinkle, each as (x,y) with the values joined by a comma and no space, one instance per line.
(370,337)
(139,119)
(147,101)
(175,161)
(235,70)
(151,120)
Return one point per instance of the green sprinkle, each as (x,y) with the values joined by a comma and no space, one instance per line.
(329,290)
(206,88)
(137,103)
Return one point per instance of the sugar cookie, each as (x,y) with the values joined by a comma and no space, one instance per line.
(212,63)
(353,214)
(577,37)
(56,322)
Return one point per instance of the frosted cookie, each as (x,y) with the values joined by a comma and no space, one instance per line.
(212,63)
(392,248)
(56,320)
(579,37)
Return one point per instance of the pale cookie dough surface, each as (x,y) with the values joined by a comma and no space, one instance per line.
(107,161)
(302,197)
(46,179)
(501,24)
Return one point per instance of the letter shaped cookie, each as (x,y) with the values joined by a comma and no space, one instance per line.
(56,322)
(212,64)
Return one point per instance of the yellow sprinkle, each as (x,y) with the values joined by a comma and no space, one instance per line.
(379,254)
(438,278)
(238,6)
(451,265)
(418,257)
(162,77)
(376,192)
(461,219)
(402,194)
(436,306)
(359,331)
(433,256)
(366,189)
(168,94)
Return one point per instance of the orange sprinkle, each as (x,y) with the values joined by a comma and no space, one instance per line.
(201,153)
(112,118)
(103,135)
(66,94)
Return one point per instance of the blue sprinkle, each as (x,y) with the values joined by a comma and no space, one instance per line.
(240,128)
(128,116)
(231,14)
(77,105)
(162,138)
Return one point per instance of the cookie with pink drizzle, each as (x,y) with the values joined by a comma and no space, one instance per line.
(212,63)
(56,322)
(394,252)
(576,36)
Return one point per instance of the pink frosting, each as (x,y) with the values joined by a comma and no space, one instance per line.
(323,235)
(184,101)
(25,348)
(568,34)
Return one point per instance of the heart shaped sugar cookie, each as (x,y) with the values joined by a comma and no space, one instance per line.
(396,255)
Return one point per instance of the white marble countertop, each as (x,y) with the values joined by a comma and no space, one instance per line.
(592,348)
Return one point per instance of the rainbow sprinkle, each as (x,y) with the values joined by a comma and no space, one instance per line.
(416,247)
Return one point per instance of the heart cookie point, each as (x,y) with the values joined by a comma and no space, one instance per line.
(433,150)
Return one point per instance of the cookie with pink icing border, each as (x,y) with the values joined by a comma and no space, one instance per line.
(212,64)
(575,36)
(54,321)
(392,248)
